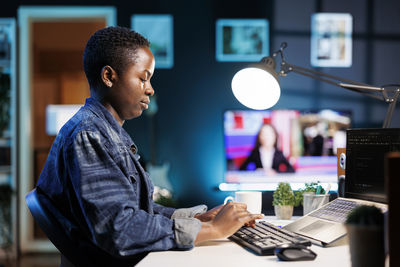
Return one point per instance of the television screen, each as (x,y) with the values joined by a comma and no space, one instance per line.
(263,148)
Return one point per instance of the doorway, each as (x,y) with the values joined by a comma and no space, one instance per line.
(52,41)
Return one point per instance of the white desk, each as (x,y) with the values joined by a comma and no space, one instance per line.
(227,253)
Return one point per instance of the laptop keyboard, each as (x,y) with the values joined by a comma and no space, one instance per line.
(265,237)
(336,211)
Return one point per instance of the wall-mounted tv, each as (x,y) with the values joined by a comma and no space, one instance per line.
(263,148)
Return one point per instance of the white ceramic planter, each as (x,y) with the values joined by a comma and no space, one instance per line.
(283,212)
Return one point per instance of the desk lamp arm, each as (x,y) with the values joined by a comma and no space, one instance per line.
(365,89)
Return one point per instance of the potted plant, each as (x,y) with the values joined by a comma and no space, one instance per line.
(309,188)
(312,196)
(365,229)
(164,197)
(283,201)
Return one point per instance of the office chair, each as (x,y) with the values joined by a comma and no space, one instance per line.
(49,225)
(82,253)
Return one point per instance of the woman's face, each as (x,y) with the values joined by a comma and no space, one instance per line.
(131,90)
(267,137)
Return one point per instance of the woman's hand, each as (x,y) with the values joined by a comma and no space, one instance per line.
(230,218)
(209,215)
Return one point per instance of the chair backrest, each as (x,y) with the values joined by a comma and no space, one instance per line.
(80,252)
(52,228)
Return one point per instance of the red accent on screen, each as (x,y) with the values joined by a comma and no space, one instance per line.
(267,120)
(238,121)
(244,149)
(238,161)
(282,167)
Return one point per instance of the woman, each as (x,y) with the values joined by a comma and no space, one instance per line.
(265,154)
(93,182)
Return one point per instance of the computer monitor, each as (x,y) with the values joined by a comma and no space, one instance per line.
(303,152)
(365,161)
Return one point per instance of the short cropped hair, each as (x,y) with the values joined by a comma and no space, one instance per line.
(113,46)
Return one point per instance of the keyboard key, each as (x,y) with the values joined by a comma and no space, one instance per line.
(336,211)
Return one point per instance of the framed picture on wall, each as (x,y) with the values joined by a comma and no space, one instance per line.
(242,39)
(331,40)
(158,29)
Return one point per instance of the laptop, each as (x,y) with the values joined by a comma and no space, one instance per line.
(364,185)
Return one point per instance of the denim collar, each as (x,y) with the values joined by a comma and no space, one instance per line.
(99,110)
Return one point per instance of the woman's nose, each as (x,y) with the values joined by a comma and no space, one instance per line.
(149,90)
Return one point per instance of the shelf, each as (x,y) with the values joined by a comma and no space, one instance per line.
(5,140)
(5,178)
(5,169)
(8,136)
(5,63)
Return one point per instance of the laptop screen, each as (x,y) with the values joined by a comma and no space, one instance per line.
(365,160)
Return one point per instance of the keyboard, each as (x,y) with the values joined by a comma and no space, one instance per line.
(336,211)
(265,237)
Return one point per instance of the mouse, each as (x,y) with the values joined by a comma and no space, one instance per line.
(294,252)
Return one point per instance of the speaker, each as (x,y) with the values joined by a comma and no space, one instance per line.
(392,185)
(341,170)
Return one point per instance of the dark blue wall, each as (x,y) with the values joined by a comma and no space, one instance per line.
(194,93)
(192,97)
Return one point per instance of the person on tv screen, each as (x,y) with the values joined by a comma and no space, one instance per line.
(265,154)
(92,181)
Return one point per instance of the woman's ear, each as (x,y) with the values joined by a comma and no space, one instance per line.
(108,76)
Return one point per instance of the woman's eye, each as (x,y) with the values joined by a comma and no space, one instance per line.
(142,80)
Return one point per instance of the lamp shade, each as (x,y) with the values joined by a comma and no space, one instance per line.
(256,88)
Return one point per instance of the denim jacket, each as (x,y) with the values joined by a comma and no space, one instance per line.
(93,183)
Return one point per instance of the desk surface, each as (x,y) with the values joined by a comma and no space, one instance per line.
(227,253)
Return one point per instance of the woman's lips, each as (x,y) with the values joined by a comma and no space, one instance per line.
(145,104)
